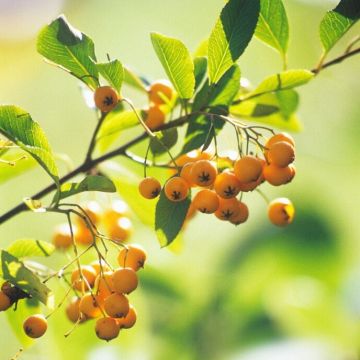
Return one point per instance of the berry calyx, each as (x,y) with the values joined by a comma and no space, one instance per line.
(116,305)
(206,201)
(133,256)
(203,173)
(129,320)
(242,215)
(281,211)
(227,185)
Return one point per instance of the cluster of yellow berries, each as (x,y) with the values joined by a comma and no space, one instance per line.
(218,190)
(160,93)
(104,293)
(115,220)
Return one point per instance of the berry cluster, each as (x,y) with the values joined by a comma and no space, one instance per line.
(115,220)
(104,293)
(219,188)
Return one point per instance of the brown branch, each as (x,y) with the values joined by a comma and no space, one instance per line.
(337,60)
(87,165)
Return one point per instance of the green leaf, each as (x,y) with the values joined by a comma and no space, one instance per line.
(202,49)
(169,218)
(200,67)
(115,122)
(217,97)
(18,126)
(337,22)
(133,80)
(30,247)
(127,187)
(177,62)
(90,183)
(168,137)
(70,49)
(231,35)
(273,26)
(18,274)
(8,172)
(25,308)
(112,72)
(273,109)
(284,80)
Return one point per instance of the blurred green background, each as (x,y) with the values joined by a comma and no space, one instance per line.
(251,292)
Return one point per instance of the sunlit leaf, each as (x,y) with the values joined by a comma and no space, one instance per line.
(130,78)
(70,49)
(18,126)
(337,22)
(89,183)
(231,35)
(30,247)
(113,72)
(273,27)
(14,271)
(177,63)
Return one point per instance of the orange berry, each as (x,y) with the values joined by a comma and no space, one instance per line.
(149,187)
(129,320)
(242,215)
(185,173)
(83,235)
(281,154)
(104,285)
(133,256)
(99,266)
(118,209)
(125,280)
(278,176)
(116,305)
(228,209)
(280,137)
(106,98)
(227,185)
(35,326)
(107,328)
(62,236)
(176,189)
(73,311)
(160,92)
(88,274)
(154,117)
(206,201)
(93,210)
(203,173)
(191,212)
(121,230)
(90,305)
(281,211)
(248,168)
(5,301)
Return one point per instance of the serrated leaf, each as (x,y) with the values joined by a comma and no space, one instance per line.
(285,80)
(25,308)
(134,80)
(18,126)
(231,35)
(112,72)
(89,183)
(217,97)
(337,22)
(70,49)
(18,274)
(273,27)
(177,63)
(8,172)
(30,247)
(200,68)
(115,122)
(168,138)
(169,218)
